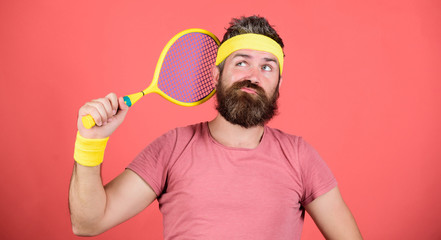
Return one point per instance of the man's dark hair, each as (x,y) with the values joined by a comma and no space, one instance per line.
(253,24)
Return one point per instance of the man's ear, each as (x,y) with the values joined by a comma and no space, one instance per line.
(216,74)
(280,81)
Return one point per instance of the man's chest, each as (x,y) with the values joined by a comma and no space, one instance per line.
(233,180)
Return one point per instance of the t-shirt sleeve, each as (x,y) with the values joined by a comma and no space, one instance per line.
(151,163)
(317,178)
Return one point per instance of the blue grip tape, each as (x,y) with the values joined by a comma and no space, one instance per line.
(127,101)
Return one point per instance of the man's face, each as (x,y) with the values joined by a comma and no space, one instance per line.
(247,89)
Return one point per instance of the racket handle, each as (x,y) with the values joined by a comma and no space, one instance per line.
(89,122)
(133,98)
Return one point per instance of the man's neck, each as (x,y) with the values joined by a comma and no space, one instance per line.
(232,135)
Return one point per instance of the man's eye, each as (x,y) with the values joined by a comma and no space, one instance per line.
(267,68)
(242,64)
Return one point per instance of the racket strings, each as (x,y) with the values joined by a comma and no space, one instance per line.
(186,70)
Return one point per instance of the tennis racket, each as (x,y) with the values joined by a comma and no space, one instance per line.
(183,72)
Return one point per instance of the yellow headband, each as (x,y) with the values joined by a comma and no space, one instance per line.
(250,41)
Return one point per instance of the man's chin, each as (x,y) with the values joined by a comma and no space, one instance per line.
(245,119)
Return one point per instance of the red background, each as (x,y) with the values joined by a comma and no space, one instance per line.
(361,84)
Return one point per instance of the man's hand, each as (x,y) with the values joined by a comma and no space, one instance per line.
(108,112)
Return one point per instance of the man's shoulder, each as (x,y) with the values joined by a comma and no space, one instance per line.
(189,129)
(283,135)
(175,138)
(181,132)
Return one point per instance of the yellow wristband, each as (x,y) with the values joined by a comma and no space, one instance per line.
(89,152)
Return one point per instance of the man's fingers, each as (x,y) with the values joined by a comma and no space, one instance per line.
(113,101)
(123,109)
(90,109)
(100,109)
(106,106)
(122,104)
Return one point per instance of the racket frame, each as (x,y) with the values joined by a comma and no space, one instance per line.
(153,87)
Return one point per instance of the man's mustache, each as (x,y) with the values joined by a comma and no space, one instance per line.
(248,84)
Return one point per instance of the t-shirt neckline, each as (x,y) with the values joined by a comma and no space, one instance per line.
(206,129)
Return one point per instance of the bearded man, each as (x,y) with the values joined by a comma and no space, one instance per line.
(229,178)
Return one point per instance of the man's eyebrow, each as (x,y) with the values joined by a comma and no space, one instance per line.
(271,60)
(241,55)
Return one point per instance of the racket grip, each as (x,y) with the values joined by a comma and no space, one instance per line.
(88,121)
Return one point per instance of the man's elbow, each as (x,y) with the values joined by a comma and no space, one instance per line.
(83,231)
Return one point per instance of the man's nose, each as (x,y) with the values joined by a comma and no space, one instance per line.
(254,75)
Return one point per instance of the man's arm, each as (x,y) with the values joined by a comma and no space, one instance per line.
(94,208)
(333,217)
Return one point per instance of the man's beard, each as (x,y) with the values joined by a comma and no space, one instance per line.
(245,109)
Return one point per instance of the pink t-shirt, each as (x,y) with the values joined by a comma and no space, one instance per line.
(209,191)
